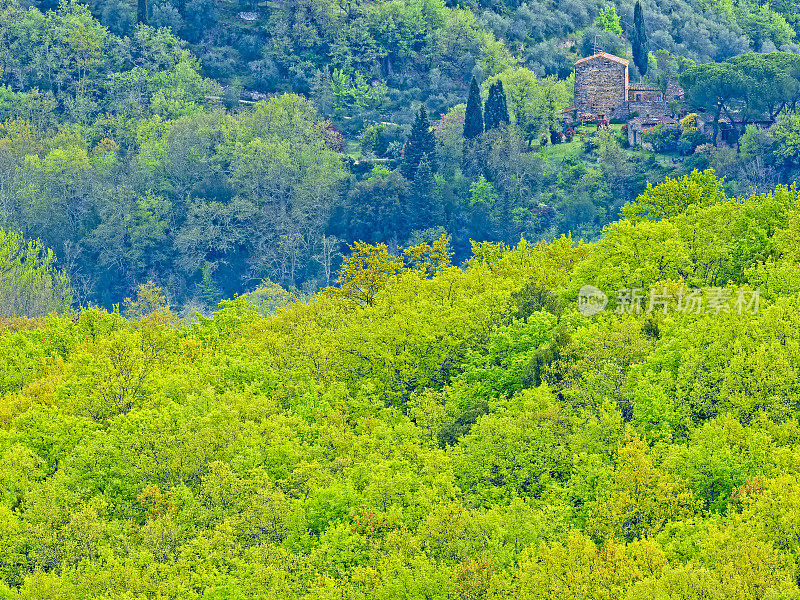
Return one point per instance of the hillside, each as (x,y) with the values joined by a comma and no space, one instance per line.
(327,299)
(255,145)
(427,50)
(424,431)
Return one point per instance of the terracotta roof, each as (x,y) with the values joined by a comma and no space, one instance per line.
(621,61)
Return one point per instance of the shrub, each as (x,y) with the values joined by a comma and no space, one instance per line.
(556,136)
(623,137)
(689,122)
(662,137)
(689,140)
(371,142)
(380,139)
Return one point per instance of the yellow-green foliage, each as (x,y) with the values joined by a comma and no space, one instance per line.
(425,431)
(30,283)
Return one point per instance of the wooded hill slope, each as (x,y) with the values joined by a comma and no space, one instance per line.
(424,431)
(122,155)
(358,57)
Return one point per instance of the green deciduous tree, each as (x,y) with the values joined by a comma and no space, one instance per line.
(365,272)
(673,196)
(30,283)
(608,20)
(787,139)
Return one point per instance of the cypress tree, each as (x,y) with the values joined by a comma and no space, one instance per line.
(421,141)
(207,291)
(141,11)
(639,39)
(496,112)
(473,118)
(500,105)
(424,208)
(490,109)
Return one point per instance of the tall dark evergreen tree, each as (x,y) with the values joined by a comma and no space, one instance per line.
(425,209)
(141,11)
(489,117)
(502,105)
(496,112)
(207,290)
(421,141)
(639,39)
(473,118)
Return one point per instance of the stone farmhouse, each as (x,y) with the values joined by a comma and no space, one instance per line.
(603,91)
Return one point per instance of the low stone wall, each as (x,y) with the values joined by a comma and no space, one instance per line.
(642,109)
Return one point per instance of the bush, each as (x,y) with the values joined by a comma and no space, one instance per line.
(556,137)
(689,140)
(688,122)
(662,138)
(377,139)
(333,138)
(569,133)
(371,139)
(590,144)
(622,138)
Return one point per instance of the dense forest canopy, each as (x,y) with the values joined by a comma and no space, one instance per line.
(427,431)
(337,299)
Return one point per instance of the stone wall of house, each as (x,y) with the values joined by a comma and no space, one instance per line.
(640,95)
(600,86)
(674,91)
(651,109)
